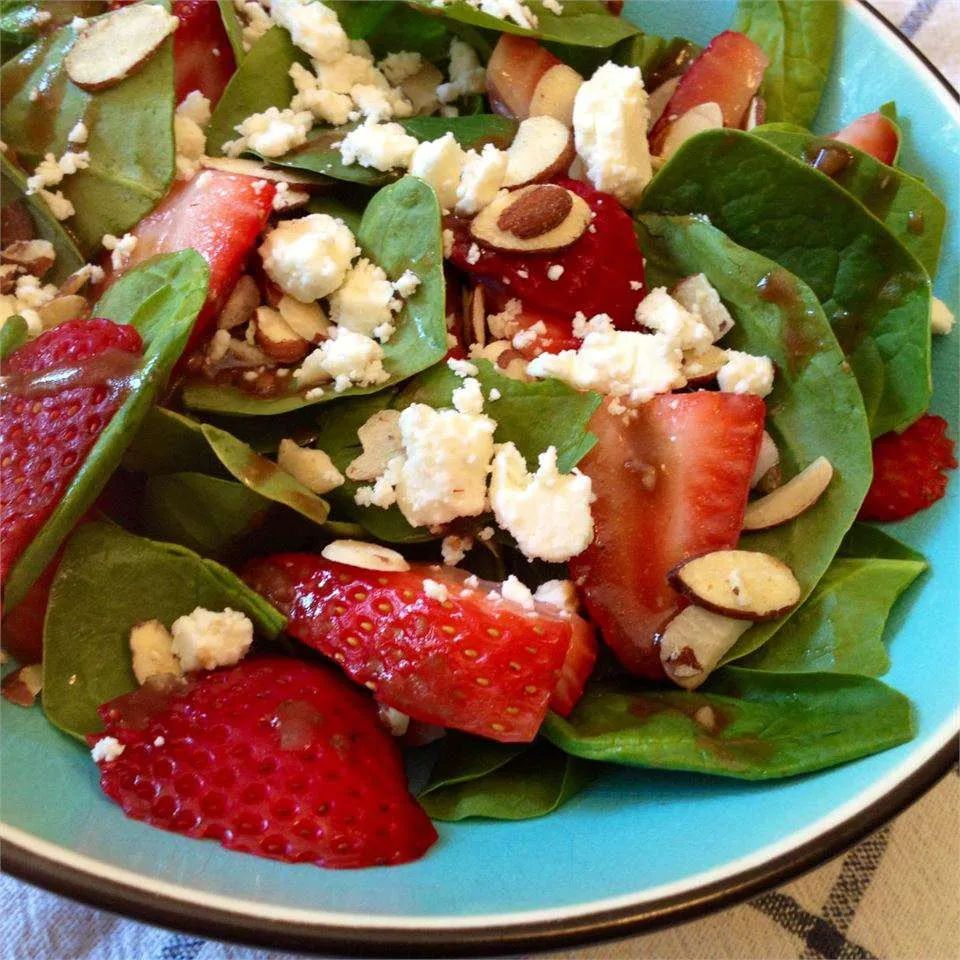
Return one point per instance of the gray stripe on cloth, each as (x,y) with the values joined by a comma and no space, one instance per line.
(917,17)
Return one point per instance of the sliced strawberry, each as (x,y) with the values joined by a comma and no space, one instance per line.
(872,133)
(480,665)
(274,757)
(58,394)
(908,470)
(23,625)
(728,72)
(516,66)
(577,667)
(671,483)
(220,215)
(602,271)
(202,56)
(549,332)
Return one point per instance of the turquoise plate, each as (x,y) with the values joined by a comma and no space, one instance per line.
(637,849)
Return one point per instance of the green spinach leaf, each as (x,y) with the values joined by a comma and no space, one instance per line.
(874,291)
(169,442)
(863,541)
(748,724)
(798,37)
(233,28)
(815,408)
(161,298)
(108,581)
(400,231)
(499,781)
(130,137)
(471,132)
(910,210)
(20,20)
(13,334)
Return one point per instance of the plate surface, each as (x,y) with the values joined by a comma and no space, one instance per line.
(638,848)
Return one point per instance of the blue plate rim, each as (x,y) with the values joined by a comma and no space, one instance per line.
(28,863)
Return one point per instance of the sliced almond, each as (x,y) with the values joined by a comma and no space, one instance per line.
(756,113)
(693,643)
(658,99)
(151,647)
(790,500)
(421,89)
(555,92)
(705,116)
(313,468)
(532,215)
(277,338)
(288,200)
(701,368)
(307,320)
(541,150)
(253,168)
(367,556)
(743,584)
(34,256)
(22,686)
(241,305)
(478,316)
(380,439)
(60,309)
(118,44)
(767,459)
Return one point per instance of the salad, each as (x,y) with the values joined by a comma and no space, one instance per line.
(489,388)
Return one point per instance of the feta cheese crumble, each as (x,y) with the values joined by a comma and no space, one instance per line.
(189,120)
(381,146)
(400,66)
(106,749)
(326,105)
(350,359)
(436,591)
(121,248)
(700,297)
(440,162)
(454,548)
(481,179)
(558,593)
(467,74)
(271,133)
(468,398)
(941,318)
(658,311)
(745,373)
(516,592)
(207,639)
(313,27)
(365,300)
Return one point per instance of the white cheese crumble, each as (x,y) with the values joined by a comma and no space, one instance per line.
(121,248)
(381,146)
(561,594)
(28,296)
(256,21)
(448,241)
(481,179)
(350,359)
(439,163)
(436,591)
(191,116)
(207,639)
(78,133)
(462,368)
(50,171)
(468,398)
(700,297)
(941,317)
(365,300)
(308,258)
(745,373)
(547,513)
(271,133)
(326,105)
(382,493)
(313,468)
(400,66)
(454,548)
(658,311)
(555,271)
(610,124)
(106,749)
(516,592)
(467,74)
(406,285)
(313,27)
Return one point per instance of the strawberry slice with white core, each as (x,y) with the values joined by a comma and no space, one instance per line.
(431,642)
(671,482)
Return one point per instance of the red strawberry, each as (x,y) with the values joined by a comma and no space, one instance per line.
(549,332)
(202,56)
(908,470)
(872,133)
(274,757)
(59,392)
(576,669)
(23,625)
(220,215)
(728,72)
(602,271)
(671,483)
(480,665)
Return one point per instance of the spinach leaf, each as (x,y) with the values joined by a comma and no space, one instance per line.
(815,408)
(580,24)
(658,58)
(130,133)
(839,629)
(864,541)
(351,214)
(19,26)
(13,334)
(45,224)
(389,26)
(909,209)
(169,442)
(480,778)
(758,726)
(874,292)
(263,476)
(161,298)
(108,581)
(400,231)
(360,20)
(471,132)
(205,514)
(798,36)
(262,80)
(233,28)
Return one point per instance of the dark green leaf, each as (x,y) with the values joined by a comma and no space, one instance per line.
(389,27)
(480,778)
(169,442)
(350,214)
(13,334)
(864,541)
(108,581)
(658,58)
(360,20)
(161,298)
(46,225)
(262,80)
(759,725)
(130,133)
(400,231)
(798,37)
(471,132)
(18,20)
(911,211)
(233,27)
(874,291)
(815,408)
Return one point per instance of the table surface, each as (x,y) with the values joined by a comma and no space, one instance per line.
(892,896)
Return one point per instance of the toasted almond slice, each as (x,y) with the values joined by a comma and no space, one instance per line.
(705,116)
(555,92)
(478,316)
(313,468)
(60,309)
(743,584)
(693,642)
(486,228)
(253,168)
(793,498)
(367,556)
(277,338)
(241,305)
(152,648)
(767,459)
(701,368)
(118,44)
(380,439)
(541,150)
(658,99)
(307,320)
(536,212)
(22,686)
(34,256)
(8,277)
